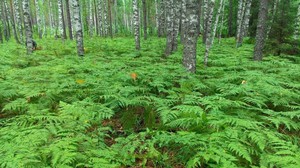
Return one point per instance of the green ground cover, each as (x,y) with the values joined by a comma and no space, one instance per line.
(117,107)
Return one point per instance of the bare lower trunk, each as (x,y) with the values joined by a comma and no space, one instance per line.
(190,43)
(217,21)
(38,18)
(208,35)
(78,28)
(221,26)
(261,30)
(28,30)
(69,20)
(91,22)
(162,19)
(145,19)
(205,16)
(297,28)
(244,24)
(136,24)
(272,17)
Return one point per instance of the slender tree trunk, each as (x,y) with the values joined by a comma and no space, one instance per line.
(205,19)
(62,25)
(145,19)
(275,4)
(5,22)
(69,19)
(110,19)
(297,27)
(51,18)
(91,22)
(100,17)
(162,19)
(230,18)
(78,27)
(261,30)
(13,22)
(96,18)
(216,22)
(28,30)
(170,23)
(183,23)
(244,24)
(222,23)
(105,11)
(199,11)
(208,35)
(240,17)
(38,18)
(190,43)
(136,24)
(1,22)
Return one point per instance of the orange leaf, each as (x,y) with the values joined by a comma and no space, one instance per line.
(133,75)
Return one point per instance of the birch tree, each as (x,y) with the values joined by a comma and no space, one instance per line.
(13,22)
(240,16)
(1,23)
(297,27)
(38,18)
(208,33)
(105,18)
(222,23)
(61,22)
(136,24)
(91,21)
(205,16)
(269,27)
(244,23)
(190,43)
(145,19)
(78,27)
(100,17)
(261,30)
(28,31)
(5,22)
(69,20)
(162,18)
(216,21)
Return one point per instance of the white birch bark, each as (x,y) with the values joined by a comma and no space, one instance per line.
(222,23)
(78,27)
(100,17)
(240,17)
(244,23)
(162,18)
(91,21)
(208,39)
(18,20)
(136,24)
(105,18)
(51,18)
(27,23)
(38,18)
(170,24)
(205,15)
(60,19)
(216,22)
(190,43)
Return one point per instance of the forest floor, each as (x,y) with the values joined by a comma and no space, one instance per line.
(117,107)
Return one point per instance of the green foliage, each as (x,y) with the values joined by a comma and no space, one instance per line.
(120,108)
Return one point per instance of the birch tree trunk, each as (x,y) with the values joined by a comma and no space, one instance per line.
(100,17)
(18,21)
(13,22)
(240,17)
(51,18)
(38,18)
(297,27)
(170,24)
(205,16)
(69,19)
(230,18)
(28,30)
(261,30)
(91,21)
(222,23)
(190,43)
(105,21)
(162,19)
(78,27)
(244,24)
(110,19)
(216,22)
(208,35)
(183,22)
(136,24)
(145,18)
(62,26)
(2,23)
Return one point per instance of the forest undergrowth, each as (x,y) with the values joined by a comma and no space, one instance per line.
(117,107)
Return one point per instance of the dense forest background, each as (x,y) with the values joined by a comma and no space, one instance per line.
(150,83)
